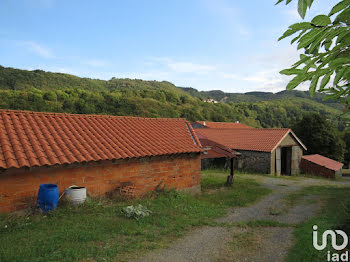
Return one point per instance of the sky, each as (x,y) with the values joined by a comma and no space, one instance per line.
(205,44)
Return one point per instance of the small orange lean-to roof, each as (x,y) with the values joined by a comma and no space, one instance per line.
(253,139)
(30,139)
(324,161)
(222,124)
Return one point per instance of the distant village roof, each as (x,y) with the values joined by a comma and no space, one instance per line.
(30,139)
(222,124)
(324,161)
(254,139)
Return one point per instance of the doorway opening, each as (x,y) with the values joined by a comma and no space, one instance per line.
(286,160)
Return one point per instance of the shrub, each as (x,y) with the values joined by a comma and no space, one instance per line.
(136,212)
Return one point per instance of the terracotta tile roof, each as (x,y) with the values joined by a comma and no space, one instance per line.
(36,139)
(324,161)
(254,139)
(222,124)
(215,150)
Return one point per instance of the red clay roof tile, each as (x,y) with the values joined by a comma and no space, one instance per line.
(254,139)
(324,161)
(35,139)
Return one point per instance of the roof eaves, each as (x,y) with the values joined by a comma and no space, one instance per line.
(296,138)
(289,131)
(193,134)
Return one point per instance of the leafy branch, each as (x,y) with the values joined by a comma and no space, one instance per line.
(326,44)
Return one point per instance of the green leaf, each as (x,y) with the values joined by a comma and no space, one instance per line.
(279,1)
(302,7)
(309,3)
(339,74)
(287,33)
(290,71)
(343,35)
(338,7)
(308,38)
(296,38)
(317,42)
(325,80)
(327,44)
(321,20)
(303,59)
(301,26)
(338,61)
(288,1)
(343,17)
(313,85)
(295,82)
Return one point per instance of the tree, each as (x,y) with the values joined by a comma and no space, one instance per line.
(320,136)
(326,44)
(347,149)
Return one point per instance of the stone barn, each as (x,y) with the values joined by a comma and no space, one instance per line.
(271,151)
(102,153)
(321,166)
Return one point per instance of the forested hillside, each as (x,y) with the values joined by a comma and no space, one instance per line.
(55,92)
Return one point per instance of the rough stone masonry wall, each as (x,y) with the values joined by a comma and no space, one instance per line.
(19,187)
(208,163)
(254,161)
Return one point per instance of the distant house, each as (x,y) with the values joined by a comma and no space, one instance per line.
(207,124)
(102,153)
(210,100)
(275,151)
(320,166)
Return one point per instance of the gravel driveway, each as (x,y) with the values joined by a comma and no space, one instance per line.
(223,243)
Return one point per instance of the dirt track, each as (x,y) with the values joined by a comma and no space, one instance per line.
(233,243)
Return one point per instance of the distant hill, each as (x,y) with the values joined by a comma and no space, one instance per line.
(221,96)
(56,92)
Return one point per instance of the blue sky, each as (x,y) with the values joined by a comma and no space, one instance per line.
(204,44)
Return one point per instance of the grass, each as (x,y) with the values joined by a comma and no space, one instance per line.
(259,223)
(334,215)
(281,177)
(98,231)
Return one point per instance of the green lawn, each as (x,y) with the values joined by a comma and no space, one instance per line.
(98,231)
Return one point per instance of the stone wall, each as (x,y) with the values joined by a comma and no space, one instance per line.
(19,187)
(254,161)
(220,163)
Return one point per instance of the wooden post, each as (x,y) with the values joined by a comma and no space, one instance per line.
(230,178)
(278,161)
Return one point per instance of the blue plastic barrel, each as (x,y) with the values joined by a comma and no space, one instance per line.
(48,197)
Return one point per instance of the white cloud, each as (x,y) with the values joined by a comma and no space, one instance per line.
(266,77)
(179,66)
(37,49)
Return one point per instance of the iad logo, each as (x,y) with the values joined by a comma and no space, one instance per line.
(336,256)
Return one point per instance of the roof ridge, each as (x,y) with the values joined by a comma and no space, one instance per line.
(84,115)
